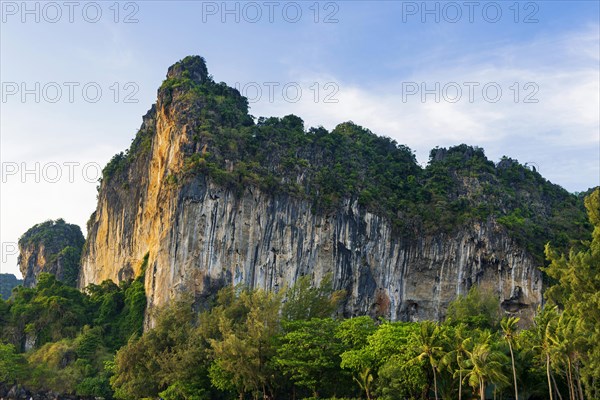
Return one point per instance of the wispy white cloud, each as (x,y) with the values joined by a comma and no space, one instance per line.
(566,111)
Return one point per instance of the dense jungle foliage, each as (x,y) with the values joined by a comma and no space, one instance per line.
(254,344)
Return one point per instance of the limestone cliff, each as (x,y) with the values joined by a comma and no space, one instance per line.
(206,218)
(53,247)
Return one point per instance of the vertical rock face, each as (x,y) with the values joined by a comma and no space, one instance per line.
(209,237)
(53,247)
(261,241)
(201,235)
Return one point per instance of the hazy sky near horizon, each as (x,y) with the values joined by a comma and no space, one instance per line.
(520,79)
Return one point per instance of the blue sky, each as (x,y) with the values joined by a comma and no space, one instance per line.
(365,61)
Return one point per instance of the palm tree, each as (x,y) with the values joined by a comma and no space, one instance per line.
(509,327)
(545,327)
(429,345)
(485,364)
(458,355)
(568,343)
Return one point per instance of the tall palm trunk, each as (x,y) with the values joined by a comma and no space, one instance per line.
(548,375)
(556,387)
(481,389)
(570,380)
(579,388)
(512,358)
(435,391)
(459,384)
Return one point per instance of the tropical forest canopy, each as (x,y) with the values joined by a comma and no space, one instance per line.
(254,344)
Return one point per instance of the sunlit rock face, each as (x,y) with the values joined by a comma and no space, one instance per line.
(201,236)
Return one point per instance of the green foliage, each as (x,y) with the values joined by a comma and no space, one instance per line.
(184,391)
(485,364)
(252,343)
(231,349)
(74,334)
(143,366)
(68,259)
(400,379)
(52,367)
(115,166)
(12,364)
(387,353)
(310,356)
(50,312)
(171,359)
(53,234)
(577,292)
(247,324)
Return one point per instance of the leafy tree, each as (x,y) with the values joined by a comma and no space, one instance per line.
(12,364)
(400,378)
(53,367)
(50,312)
(569,344)
(162,357)
(544,331)
(135,371)
(354,334)
(310,356)
(243,350)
